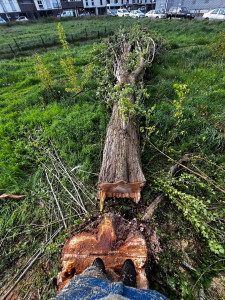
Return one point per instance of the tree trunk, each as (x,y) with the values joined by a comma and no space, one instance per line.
(121,175)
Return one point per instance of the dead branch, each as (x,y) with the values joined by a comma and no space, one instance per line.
(56,200)
(190,170)
(201,293)
(152,207)
(175,168)
(38,254)
(4,196)
(63,186)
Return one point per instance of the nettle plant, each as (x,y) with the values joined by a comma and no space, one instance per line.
(199,210)
(43,74)
(67,65)
(218,48)
(76,83)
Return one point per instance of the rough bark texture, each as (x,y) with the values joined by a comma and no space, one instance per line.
(121,174)
(121,156)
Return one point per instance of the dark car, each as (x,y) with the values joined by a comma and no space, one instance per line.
(180,12)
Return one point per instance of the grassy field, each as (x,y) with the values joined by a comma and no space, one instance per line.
(32,119)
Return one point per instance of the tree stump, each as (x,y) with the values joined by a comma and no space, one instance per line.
(108,244)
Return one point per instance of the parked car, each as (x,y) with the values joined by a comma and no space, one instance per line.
(156,14)
(66,13)
(21,19)
(215,14)
(111,12)
(122,12)
(180,12)
(84,14)
(136,14)
(2,20)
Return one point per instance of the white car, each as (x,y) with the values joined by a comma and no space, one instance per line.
(215,14)
(122,12)
(2,20)
(21,19)
(156,14)
(111,12)
(136,14)
(66,13)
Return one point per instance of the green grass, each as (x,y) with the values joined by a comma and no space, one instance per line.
(76,125)
(25,37)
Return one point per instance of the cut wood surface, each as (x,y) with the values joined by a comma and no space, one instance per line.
(81,250)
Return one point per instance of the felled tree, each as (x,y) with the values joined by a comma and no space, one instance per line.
(123,60)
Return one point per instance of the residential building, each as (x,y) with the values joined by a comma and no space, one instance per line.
(192,5)
(76,6)
(9,9)
(47,8)
(32,9)
(99,7)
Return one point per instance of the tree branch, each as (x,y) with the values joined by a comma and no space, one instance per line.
(193,172)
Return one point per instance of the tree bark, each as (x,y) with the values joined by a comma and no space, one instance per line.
(121,174)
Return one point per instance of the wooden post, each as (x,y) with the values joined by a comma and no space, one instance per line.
(43,42)
(12,49)
(17,44)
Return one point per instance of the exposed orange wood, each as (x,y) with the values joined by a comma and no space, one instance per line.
(120,189)
(81,250)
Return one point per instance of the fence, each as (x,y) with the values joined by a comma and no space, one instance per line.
(26,46)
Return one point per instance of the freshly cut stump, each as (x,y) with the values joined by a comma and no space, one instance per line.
(81,250)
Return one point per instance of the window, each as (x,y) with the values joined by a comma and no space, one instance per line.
(86,2)
(26,2)
(56,4)
(48,4)
(12,5)
(215,11)
(3,5)
(39,2)
(92,2)
(100,2)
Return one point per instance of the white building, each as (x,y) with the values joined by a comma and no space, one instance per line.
(99,6)
(192,5)
(95,6)
(43,5)
(32,9)
(8,8)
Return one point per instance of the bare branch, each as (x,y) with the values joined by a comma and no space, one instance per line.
(56,200)
(152,207)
